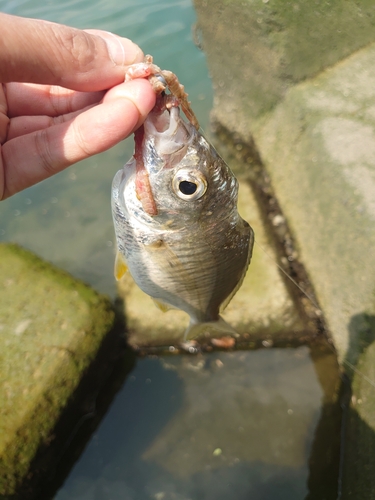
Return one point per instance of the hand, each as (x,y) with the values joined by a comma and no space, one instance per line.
(55,106)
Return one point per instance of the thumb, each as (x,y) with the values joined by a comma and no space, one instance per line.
(37,51)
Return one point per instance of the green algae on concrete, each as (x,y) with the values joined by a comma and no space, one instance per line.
(257,49)
(51,327)
(261,309)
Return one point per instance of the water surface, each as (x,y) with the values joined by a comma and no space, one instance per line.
(227,425)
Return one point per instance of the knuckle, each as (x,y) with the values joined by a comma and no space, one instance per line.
(43,149)
(60,102)
(2,176)
(4,118)
(81,143)
(78,46)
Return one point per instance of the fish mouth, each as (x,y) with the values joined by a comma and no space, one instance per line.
(163,134)
(165,125)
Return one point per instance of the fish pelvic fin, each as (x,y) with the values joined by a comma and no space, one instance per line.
(209,329)
(120,266)
(162,306)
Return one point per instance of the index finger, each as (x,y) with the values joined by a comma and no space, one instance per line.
(52,149)
(38,51)
(28,99)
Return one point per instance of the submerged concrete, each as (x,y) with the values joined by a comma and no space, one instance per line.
(51,327)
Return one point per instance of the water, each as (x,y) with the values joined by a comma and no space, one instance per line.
(239,425)
(227,425)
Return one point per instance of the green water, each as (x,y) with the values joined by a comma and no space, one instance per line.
(245,425)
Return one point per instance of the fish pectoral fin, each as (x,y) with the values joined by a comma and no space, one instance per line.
(181,268)
(213,329)
(120,266)
(170,263)
(162,305)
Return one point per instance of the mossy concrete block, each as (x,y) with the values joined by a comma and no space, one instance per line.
(319,149)
(261,309)
(51,327)
(257,49)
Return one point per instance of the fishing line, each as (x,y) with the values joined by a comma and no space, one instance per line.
(346,363)
(311,299)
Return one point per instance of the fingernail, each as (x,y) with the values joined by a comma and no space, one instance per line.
(123,51)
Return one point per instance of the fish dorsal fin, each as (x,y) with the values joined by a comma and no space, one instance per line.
(120,266)
(239,284)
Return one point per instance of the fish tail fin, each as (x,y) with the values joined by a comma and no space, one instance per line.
(218,328)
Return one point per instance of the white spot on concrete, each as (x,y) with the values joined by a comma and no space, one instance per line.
(362,178)
(348,141)
(22,327)
(351,144)
(324,101)
(278,220)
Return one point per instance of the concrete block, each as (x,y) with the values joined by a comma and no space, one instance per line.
(319,149)
(257,49)
(51,327)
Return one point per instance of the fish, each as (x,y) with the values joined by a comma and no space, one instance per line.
(178,230)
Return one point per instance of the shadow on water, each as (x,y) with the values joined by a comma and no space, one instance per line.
(357,478)
(324,457)
(361,335)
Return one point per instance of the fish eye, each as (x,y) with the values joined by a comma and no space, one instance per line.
(187,188)
(189,184)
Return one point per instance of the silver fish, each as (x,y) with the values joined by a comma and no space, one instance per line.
(177,227)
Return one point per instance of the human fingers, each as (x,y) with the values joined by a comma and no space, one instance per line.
(28,99)
(4,119)
(30,158)
(22,125)
(37,51)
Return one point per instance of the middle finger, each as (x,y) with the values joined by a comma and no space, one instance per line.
(21,125)
(27,99)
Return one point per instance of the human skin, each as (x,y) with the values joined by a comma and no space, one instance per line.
(62,98)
